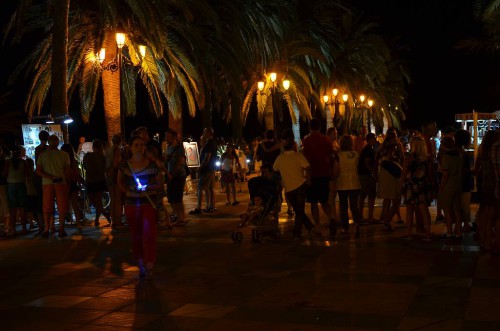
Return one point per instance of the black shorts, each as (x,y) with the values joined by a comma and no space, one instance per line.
(319,190)
(96,187)
(368,186)
(175,189)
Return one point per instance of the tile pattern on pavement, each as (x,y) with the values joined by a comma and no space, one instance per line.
(204,281)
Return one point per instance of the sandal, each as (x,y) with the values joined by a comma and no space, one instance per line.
(195,211)
(228,203)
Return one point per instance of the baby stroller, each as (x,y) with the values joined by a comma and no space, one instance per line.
(263,210)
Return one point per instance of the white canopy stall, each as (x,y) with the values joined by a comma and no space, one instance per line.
(477,124)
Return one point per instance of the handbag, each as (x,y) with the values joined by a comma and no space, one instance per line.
(392,167)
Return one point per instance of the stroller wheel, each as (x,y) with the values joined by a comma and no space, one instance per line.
(256,236)
(237,236)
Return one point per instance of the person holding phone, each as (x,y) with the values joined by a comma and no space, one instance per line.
(140,179)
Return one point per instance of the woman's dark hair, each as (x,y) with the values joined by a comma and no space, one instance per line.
(134,138)
(489,139)
(16,156)
(462,138)
(346,143)
(71,152)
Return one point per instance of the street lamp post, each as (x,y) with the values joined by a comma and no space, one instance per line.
(120,63)
(273,76)
(334,101)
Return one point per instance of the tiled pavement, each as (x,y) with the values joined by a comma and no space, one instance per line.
(204,281)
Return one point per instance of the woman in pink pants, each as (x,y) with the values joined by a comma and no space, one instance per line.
(140,179)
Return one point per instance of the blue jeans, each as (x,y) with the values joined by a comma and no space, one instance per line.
(297,198)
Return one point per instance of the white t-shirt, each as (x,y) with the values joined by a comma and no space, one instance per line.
(54,162)
(242,158)
(291,166)
(348,178)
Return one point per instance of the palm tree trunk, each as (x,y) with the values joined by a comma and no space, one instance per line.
(269,115)
(236,124)
(59,61)
(111,87)
(175,123)
(296,126)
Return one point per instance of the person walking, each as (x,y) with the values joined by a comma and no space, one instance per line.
(140,179)
(94,164)
(318,151)
(348,185)
(417,179)
(366,172)
(175,162)
(229,161)
(388,163)
(206,172)
(17,172)
(74,184)
(295,174)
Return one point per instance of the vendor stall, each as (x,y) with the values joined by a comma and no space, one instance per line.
(477,124)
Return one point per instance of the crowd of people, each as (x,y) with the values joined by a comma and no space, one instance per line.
(418,169)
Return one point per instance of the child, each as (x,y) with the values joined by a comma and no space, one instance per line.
(253,212)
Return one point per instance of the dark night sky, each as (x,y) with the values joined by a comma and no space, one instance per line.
(445,80)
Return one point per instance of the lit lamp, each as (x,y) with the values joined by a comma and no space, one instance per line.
(273,76)
(345,97)
(142,50)
(120,39)
(50,120)
(370,103)
(67,119)
(286,84)
(260,86)
(101,55)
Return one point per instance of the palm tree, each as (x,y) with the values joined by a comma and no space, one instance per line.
(167,69)
(487,12)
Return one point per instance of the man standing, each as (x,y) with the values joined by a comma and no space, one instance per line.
(54,168)
(295,173)
(176,175)
(43,136)
(206,172)
(366,172)
(318,151)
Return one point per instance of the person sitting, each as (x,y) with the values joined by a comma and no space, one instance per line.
(253,212)
(263,185)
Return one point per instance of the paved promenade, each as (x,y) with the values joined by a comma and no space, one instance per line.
(204,281)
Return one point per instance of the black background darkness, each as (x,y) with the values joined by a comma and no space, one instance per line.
(445,80)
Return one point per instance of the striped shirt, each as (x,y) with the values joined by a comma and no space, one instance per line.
(145,177)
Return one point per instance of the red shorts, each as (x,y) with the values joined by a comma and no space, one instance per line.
(60,192)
